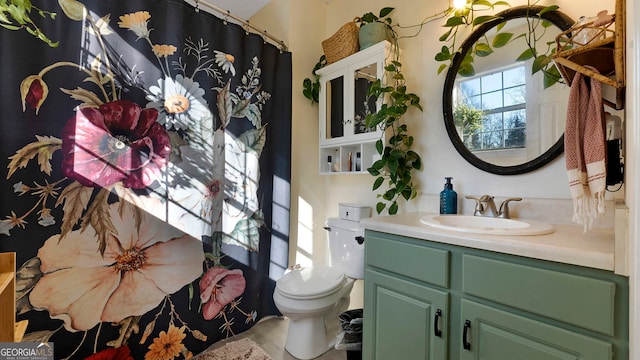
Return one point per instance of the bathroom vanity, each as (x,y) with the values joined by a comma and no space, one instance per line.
(437,294)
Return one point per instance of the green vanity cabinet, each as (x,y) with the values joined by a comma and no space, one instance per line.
(403,319)
(431,300)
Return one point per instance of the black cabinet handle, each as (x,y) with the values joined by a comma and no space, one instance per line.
(465,344)
(360,239)
(436,328)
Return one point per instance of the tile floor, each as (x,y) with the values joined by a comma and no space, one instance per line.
(271,335)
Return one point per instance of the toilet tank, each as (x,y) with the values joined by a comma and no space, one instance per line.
(347,254)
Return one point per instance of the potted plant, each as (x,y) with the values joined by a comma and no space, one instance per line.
(375,28)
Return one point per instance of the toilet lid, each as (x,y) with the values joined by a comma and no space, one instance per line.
(310,282)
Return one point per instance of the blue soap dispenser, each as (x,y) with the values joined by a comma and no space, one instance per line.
(448,198)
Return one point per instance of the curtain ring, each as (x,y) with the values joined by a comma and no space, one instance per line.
(226,17)
(197,9)
(264,36)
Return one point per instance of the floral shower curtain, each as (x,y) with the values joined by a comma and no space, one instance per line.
(146,185)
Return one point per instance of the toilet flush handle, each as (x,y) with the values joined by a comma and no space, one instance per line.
(360,239)
(326,228)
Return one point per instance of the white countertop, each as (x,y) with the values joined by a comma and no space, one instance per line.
(567,244)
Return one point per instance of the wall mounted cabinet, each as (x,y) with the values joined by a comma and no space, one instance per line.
(428,300)
(343,107)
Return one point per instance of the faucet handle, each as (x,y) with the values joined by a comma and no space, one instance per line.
(504,207)
(479,208)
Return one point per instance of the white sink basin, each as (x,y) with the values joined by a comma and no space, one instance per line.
(486,225)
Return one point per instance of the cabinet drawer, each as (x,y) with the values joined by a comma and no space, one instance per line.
(577,300)
(408,258)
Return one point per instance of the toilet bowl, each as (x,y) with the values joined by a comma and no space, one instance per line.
(313,297)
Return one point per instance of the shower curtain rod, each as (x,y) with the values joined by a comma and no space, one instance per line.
(245,23)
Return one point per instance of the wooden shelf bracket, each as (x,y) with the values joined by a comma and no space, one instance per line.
(604,50)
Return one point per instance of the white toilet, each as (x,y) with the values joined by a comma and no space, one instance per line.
(313,297)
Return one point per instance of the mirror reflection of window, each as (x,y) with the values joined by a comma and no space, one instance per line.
(490,109)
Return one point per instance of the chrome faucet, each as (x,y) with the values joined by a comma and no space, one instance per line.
(485,206)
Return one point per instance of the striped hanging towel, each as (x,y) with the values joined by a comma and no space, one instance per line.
(585,149)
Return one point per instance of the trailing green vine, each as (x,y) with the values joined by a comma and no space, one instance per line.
(397,161)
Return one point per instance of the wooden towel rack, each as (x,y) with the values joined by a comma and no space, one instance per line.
(604,51)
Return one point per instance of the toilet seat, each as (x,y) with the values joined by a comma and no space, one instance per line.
(310,282)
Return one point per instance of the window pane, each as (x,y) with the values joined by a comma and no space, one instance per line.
(514,77)
(492,122)
(514,96)
(492,140)
(475,102)
(492,100)
(470,87)
(491,82)
(515,119)
(515,138)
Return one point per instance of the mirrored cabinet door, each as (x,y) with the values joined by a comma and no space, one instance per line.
(334,107)
(363,104)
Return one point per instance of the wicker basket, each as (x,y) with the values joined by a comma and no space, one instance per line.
(343,43)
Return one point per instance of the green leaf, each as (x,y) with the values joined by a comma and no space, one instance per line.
(441,68)
(466,70)
(501,3)
(389,194)
(483,49)
(377,183)
(417,164)
(551,76)
(393,166)
(454,21)
(482,3)
(379,164)
(380,207)
(501,39)
(393,209)
(386,11)
(540,63)
(445,36)
(10,27)
(548,9)
(483,19)
(368,18)
(379,146)
(396,154)
(526,55)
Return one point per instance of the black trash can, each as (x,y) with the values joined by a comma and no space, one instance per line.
(350,339)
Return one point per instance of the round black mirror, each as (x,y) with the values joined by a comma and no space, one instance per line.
(501,114)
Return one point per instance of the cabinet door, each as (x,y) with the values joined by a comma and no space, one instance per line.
(491,334)
(403,319)
(333,101)
(362,75)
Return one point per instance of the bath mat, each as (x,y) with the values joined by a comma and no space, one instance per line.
(244,349)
